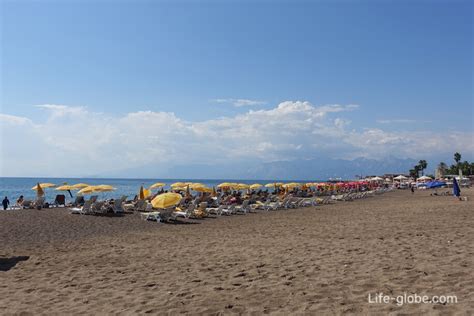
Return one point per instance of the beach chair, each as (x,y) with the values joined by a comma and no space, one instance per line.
(39,202)
(272,205)
(141,206)
(117,207)
(228,211)
(216,202)
(288,202)
(79,201)
(98,208)
(27,204)
(244,208)
(167,214)
(305,202)
(187,213)
(151,216)
(215,210)
(201,211)
(85,209)
(59,200)
(259,205)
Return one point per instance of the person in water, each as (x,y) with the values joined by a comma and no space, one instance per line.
(5,203)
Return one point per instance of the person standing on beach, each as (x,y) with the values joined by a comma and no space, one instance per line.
(412,188)
(5,203)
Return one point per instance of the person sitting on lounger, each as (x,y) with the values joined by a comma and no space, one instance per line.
(19,202)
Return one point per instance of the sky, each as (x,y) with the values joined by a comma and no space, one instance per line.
(89,86)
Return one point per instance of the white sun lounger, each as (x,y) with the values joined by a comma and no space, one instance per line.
(151,216)
(85,209)
(186,213)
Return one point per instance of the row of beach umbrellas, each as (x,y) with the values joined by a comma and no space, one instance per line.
(85,188)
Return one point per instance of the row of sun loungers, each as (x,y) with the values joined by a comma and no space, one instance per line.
(119,206)
(94,207)
(193,211)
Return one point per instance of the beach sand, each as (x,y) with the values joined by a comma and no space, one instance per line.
(319,260)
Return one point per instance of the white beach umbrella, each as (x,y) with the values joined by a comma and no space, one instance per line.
(400,177)
(423,178)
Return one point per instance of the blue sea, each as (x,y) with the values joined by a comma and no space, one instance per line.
(14,187)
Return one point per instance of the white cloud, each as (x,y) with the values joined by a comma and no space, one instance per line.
(76,141)
(401,121)
(61,110)
(376,143)
(240,102)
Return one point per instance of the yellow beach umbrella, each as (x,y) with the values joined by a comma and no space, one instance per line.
(202,189)
(291,185)
(273,185)
(178,185)
(179,189)
(241,186)
(157,185)
(66,188)
(80,185)
(141,194)
(195,185)
(88,190)
(44,186)
(104,188)
(39,189)
(226,185)
(255,186)
(166,200)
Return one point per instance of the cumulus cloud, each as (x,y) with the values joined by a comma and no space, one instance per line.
(240,102)
(75,141)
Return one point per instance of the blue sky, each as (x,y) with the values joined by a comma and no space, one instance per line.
(407,65)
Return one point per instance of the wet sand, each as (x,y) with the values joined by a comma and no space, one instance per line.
(318,260)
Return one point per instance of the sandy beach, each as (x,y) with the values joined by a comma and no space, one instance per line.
(317,260)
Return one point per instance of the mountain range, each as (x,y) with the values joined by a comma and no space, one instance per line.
(316,169)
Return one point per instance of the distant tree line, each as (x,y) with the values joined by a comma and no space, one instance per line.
(466,167)
(420,167)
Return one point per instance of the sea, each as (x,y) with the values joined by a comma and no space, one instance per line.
(14,187)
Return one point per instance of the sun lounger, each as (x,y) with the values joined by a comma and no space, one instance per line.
(98,208)
(27,204)
(226,209)
(141,206)
(201,210)
(187,213)
(117,207)
(272,206)
(215,210)
(60,200)
(39,202)
(85,209)
(79,201)
(244,208)
(167,214)
(151,216)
